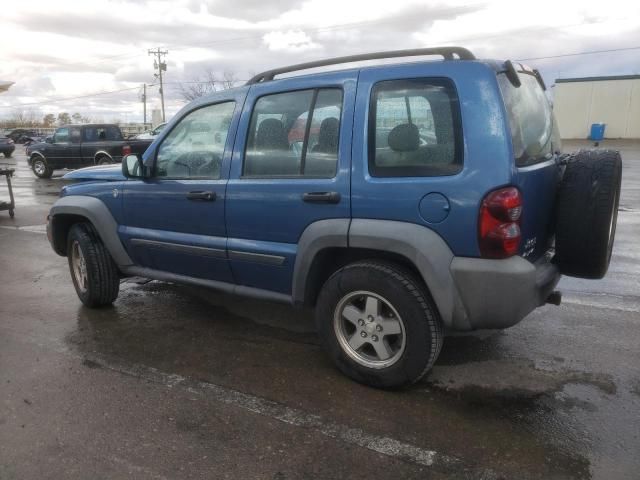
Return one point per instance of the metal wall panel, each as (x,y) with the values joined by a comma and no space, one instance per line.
(614,102)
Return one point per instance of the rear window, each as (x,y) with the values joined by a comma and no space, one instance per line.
(414,129)
(101,134)
(534,132)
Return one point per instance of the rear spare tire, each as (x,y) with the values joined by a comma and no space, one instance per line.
(587,212)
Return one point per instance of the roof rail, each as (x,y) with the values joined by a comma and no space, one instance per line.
(448,53)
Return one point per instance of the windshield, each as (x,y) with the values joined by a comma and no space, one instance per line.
(534,132)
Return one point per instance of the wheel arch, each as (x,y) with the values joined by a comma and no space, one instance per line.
(99,154)
(68,211)
(328,245)
(36,154)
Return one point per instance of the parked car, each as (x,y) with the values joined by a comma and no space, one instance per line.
(77,146)
(420,197)
(20,135)
(7,146)
(151,134)
(32,140)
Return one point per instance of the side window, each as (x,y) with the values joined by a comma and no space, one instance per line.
(194,147)
(75,135)
(90,134)
(294,134)
(61,136)
(113,133)
(414,129)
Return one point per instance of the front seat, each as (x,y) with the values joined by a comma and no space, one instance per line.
(270,154)
(271,136)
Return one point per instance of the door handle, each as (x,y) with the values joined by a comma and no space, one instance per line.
(321,197)
(204,196)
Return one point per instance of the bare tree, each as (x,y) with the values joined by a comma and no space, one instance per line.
(199,86)
(23,118)
(229,79)
(76,117)
(206,83)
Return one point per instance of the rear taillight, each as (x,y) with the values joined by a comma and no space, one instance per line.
(10,141)
(126,150)
(499,224)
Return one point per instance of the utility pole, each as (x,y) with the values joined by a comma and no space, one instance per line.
(160,66)
(143,98)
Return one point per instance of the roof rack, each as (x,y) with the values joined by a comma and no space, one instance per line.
(449,53)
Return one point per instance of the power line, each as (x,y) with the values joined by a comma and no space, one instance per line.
(340,26)
(576,54)
(261,35)
(56,100)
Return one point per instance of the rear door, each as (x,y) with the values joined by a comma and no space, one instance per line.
(291,167)
(536,143)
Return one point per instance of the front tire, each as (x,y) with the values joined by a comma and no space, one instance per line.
(93,271)
(379,324)
(40,167)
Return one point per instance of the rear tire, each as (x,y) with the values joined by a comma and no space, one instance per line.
(40,167)
(103,160)
(587,212)
(379,324)
(93,271)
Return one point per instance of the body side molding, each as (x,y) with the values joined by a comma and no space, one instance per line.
(214,284)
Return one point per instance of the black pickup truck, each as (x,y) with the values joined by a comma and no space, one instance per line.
(78,146)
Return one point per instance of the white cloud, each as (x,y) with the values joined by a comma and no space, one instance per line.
(290,40)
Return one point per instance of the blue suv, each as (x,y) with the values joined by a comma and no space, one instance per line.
(399,200)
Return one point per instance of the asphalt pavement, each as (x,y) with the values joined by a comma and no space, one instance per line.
(181,382)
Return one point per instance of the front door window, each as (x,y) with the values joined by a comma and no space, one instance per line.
(194,147)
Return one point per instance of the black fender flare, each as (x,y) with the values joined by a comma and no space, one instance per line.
(96,212)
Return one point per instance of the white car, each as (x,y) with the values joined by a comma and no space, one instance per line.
(151,134)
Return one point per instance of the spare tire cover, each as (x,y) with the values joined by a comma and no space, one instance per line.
(587,212)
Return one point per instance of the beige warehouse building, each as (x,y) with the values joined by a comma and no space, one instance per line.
(614,101)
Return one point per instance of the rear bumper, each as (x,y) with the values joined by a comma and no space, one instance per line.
(7,149)
(496,294)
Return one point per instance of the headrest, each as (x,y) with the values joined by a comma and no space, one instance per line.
(271,135)
(404,138)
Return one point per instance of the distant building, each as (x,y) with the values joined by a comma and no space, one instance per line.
(156,117)
(614,101)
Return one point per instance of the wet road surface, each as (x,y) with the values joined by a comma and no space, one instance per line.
(181,382)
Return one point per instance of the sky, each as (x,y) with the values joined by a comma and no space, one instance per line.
(56,50)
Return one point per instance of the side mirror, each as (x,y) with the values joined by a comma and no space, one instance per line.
(48,140)
(132,166)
